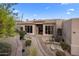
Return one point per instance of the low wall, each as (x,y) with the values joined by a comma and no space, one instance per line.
(15,43)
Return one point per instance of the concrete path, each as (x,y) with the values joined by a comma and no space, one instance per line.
(44,47)
(35,44)
(41,47)
(19,48)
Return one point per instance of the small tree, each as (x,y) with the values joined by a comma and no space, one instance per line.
(7,18)
(28,43)
(22,34)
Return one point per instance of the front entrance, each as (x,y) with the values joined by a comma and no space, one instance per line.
(39,28)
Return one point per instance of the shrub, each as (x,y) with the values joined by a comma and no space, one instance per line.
(58,39)
(22,34)
(65,46)
(23,50)
(60,53)
(28,43)
(5,49)
(33,52)
(7,20)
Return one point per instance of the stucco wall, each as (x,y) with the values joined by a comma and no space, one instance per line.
(67,31)
(71,35)
(75,37)
(58,25)
(19,26)
(16,45)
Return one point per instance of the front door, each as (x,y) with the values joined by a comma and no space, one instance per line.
(39,28)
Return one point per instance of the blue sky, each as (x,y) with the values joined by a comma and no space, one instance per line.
(47,10)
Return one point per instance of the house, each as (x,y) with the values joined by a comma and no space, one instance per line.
(67,29)
(40,27)
(45,28)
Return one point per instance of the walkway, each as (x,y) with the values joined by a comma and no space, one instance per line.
(19,47)
(42,48)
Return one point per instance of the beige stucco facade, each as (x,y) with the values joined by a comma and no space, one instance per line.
(71,34)
(55,23)
(67,31)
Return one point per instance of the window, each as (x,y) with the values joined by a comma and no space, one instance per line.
(21,28)
(59,32)
(49,29)
(28,29)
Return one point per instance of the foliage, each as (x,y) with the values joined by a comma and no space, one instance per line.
(58,39)
(7,23)
(23,50)
(65,46)
(5,49)
(33,52)
(28,43)
(60,53)
(22,34)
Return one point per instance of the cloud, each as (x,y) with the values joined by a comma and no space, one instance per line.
(47,7)
(70,11)
(34,15)
(15,11)
(65,3)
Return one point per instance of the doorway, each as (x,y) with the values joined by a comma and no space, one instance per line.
(39,28)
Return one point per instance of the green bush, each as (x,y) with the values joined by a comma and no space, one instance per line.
(7,20)
(22,34)
(65,46)
(28,43)
(5,49)
(58,39)
(60,53)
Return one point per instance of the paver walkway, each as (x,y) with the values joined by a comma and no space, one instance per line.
(41,47)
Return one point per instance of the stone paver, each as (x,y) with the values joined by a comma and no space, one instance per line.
(41,47)
(36,45)
(19,48)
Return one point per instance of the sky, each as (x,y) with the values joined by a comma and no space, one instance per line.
(47,10)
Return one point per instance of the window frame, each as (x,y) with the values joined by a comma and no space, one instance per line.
(49,29)
(28,29)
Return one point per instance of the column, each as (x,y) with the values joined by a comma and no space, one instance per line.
(43,29)
(34,29)
(23,26)
(54,31)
